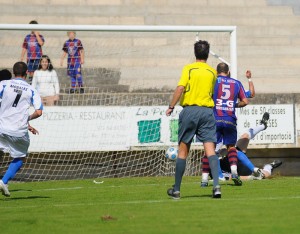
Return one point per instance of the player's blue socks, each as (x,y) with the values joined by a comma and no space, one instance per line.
(213,163)
(179,171)
(245,160)
(12,170)
(220,170)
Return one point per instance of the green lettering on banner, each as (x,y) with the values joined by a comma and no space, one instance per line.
(149,131)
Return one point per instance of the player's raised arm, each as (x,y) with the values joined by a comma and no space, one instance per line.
(39,38)
(251,85)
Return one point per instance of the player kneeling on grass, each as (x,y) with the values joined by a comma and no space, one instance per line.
(17,96)
(246,169)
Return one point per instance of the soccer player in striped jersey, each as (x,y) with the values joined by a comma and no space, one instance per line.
(33,43)
(227,91)
(17,96)
(246,169)
(74,48)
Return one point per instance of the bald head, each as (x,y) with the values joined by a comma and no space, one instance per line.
(223,69)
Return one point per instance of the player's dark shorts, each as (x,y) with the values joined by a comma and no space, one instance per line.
(199,121)
(33,64)
(74,69)
(226,131)
(241,168)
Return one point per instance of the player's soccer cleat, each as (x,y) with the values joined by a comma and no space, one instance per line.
(265,119)
(174,194)
(222,178)
(275,164)
(204,184)
(236,179)
(4,189)
(72,91)
(259,174)
(81,90)
(216,192)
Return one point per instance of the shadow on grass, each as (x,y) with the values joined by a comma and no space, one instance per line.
(20,190)
(24,198)
(196,196)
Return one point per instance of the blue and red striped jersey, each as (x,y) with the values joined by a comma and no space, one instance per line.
(73,48)
(34,50)
(226,93)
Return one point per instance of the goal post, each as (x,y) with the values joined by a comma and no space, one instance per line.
(137,28)
(117,127)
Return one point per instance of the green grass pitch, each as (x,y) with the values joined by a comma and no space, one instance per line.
(140,205)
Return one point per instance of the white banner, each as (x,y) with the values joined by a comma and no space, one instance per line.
(94,128)
(103,128)
(89,128)
(280,126)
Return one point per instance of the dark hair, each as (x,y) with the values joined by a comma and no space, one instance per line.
(50,66)
(20,69)
(5,75)
(33,22)
(222,68)
(201,50)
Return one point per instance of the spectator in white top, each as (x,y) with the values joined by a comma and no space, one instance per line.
(45,80)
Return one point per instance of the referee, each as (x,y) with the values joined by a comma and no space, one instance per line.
(195,90)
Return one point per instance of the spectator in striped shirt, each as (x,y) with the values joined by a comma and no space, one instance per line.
(32,44)
(74,49)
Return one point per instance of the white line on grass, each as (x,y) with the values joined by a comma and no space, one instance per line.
(56,189)
(127,186)
(137,202)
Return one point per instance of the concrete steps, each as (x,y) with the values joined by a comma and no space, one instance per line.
(268,38)
(130,10)
(161,19)
(139,3)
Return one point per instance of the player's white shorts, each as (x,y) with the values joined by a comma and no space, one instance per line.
(16,146)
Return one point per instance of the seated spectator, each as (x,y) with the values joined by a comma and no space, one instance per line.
(5,75)
(45,81)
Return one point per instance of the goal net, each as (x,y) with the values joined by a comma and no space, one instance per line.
(116,126)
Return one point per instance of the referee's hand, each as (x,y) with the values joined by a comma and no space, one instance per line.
(169,111)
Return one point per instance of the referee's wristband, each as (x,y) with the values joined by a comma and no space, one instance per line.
(172,108)
(249,80)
